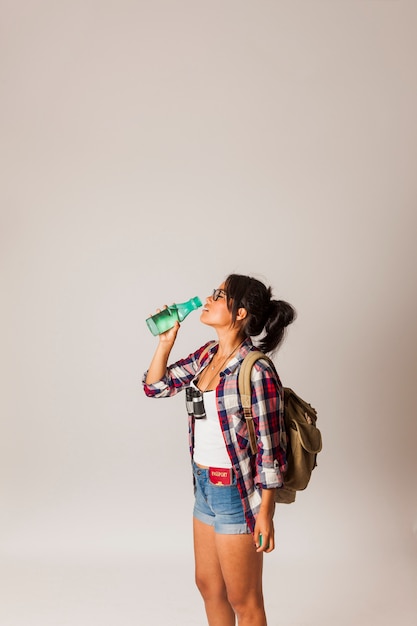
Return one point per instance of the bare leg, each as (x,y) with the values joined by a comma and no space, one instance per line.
(241,567)
(209,577)
(229,577)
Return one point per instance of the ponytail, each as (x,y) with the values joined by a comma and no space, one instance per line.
(281,315)
(265,316)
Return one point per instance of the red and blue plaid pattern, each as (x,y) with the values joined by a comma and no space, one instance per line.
(265,469)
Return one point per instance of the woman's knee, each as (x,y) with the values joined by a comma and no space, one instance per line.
(246,604)
(210,587)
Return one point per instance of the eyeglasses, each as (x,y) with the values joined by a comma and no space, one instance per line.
(218,293)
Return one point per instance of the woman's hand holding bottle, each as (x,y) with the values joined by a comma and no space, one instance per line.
(158,366)
(170,335)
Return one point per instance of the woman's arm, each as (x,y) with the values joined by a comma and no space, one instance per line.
(158,366)
(271,459)
(162,380)
(264,522)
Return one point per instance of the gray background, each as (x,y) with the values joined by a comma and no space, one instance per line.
(148,149)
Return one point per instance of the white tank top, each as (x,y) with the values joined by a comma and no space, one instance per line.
(209,446)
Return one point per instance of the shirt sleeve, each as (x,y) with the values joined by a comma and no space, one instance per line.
(178,375)
(268,413)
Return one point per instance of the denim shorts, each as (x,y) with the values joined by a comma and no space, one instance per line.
(218,505)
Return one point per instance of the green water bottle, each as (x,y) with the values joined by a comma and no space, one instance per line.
(163,321)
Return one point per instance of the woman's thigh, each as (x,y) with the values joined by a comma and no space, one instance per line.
(228,564)
(208,573)
(241,566)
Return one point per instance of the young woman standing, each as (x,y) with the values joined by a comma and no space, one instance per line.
(234,489)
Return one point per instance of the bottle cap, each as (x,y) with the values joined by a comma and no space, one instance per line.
(196,302)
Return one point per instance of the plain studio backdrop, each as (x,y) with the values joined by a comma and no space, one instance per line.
(148,150)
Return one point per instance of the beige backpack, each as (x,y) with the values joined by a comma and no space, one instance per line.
(304,440)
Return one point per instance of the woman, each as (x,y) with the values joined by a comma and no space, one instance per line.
(234,489)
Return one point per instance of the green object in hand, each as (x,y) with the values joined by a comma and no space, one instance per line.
(166,319)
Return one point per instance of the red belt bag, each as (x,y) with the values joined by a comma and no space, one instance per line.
(220,476)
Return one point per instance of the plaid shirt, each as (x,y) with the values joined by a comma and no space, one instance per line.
(265,469)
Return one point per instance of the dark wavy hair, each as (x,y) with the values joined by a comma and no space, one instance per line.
(264,314)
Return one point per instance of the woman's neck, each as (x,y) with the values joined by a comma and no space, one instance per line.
(227,347)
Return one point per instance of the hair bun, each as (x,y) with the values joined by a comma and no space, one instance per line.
(286,312)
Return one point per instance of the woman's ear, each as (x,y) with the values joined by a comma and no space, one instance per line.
(241,313)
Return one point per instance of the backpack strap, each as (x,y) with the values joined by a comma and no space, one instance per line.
(245,390)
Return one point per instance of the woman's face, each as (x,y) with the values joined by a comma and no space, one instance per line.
(215,311)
